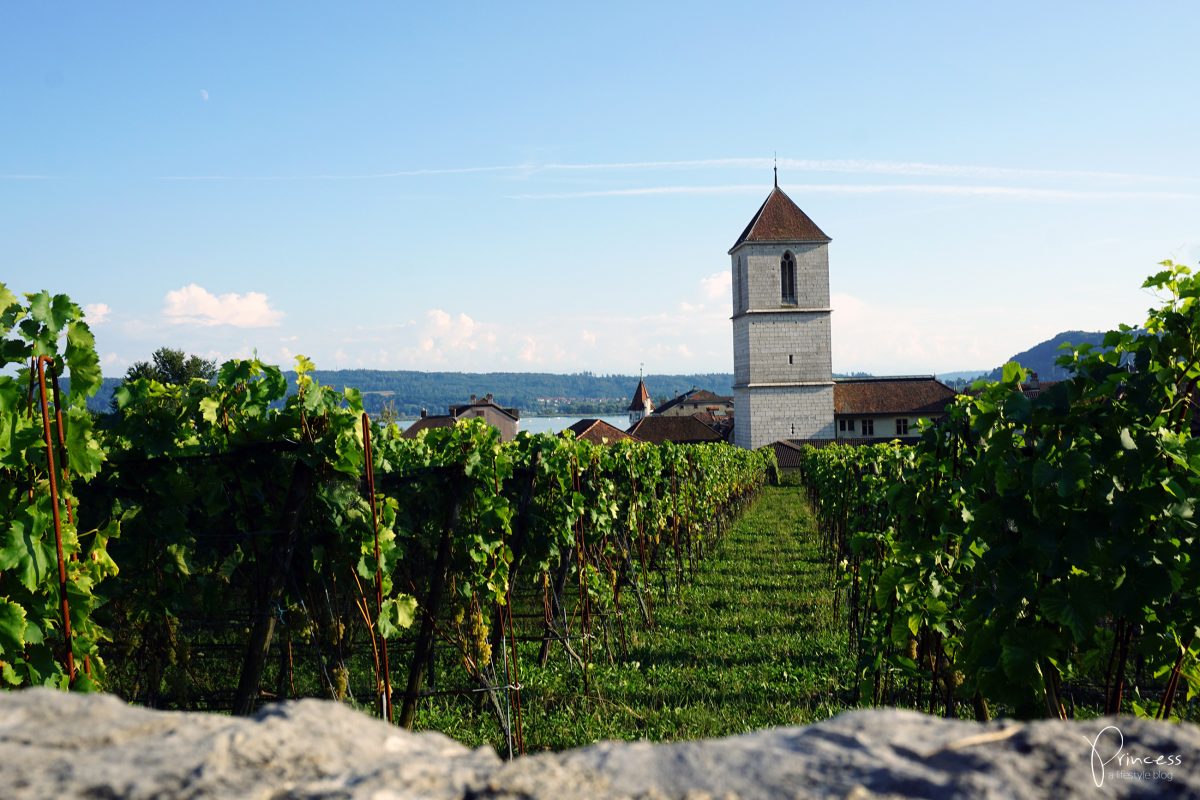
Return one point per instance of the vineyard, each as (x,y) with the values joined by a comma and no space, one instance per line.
(223,543)
(1040,554)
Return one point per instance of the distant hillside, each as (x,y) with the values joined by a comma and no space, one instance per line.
(532,392)
(961,375)
(1040,358)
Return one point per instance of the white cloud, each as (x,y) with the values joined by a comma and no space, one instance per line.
(895,339)
(445,337)
(718,285)
(204,95)
(97,313)
(193,304)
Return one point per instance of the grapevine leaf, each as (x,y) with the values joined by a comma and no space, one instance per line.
(1012,373)
(178,553)
(83,362)
(1058,607)
(1020,663)
(84,453)
(10,675)
(10,307)
(22,550)
(208,409)
(12,628)
(397,613)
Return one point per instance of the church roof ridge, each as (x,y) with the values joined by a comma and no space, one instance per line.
(779,219)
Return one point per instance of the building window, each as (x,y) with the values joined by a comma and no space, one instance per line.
(846,425)
(742,289)
(787,279)
(902,427)
(790,359)
(868,427)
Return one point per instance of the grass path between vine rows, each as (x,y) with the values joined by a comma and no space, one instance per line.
(747,644)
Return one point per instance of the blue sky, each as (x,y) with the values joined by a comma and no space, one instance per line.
(551,188)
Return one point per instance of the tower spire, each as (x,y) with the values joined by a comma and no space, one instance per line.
(776,170)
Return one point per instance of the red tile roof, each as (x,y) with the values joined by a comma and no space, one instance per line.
(780,220)
(683,430)
(598,431)
(915,396)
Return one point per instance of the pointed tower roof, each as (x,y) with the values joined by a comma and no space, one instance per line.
(778,219)
(641,397)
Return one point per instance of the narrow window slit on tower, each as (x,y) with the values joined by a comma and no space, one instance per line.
(787,279)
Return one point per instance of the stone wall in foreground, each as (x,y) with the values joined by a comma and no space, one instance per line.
(55,745)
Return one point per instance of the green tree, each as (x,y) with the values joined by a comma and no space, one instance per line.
(173,367)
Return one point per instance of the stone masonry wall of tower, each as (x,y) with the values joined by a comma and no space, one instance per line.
(783,375)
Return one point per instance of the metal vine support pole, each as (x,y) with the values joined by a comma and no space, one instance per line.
(62,564)
(66,476)
(387,675)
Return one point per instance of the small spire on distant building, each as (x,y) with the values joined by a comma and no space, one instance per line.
(641,405)
(777,170)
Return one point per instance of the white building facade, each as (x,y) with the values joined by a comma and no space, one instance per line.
(782,348)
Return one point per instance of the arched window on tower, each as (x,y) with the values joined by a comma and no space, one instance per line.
(787,279)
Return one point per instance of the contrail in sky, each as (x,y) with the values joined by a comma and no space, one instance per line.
(1015,192)
(843,166)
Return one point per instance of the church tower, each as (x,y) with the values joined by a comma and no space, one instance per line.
(641,406)
(782,359)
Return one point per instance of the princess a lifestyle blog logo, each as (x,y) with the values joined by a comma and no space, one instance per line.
(1111,760)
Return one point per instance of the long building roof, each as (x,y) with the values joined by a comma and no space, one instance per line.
(906,395)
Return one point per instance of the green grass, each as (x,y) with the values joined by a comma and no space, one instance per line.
(748,643)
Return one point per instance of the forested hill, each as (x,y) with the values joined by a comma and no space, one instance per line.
(532,392)
(1040,358)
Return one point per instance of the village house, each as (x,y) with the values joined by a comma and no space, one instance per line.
(697,400)
(505,420)
(701,408)
(887,407)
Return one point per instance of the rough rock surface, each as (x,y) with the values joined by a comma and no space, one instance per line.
(55,745)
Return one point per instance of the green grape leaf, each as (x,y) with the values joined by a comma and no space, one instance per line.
(397,614)
(22,550)
(1068,610)
(12,628)
(83,362)
(208,409)
(84,453)
(1020,664)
